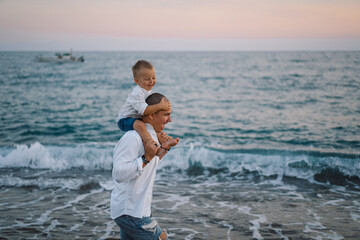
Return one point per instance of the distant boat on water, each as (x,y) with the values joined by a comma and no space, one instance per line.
(61,58)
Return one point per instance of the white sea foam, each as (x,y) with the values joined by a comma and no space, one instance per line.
(53,224)
(35,156)
(284,163)
(110,225)
(42,182)
(316,227)
(184,157)
(279,232)
(38,156)
(107,185)
(255,223)
(204,222)
(334,202)
(190,236)
(176,199)
(227,205)
(45,216)
(229,226)
(355,217)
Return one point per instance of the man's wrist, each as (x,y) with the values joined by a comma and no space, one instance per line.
(144,159)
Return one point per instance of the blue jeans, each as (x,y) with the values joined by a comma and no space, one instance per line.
(132,228)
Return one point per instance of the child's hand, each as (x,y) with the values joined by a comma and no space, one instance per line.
(166,106)
(164,137)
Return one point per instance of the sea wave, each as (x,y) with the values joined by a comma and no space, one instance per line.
(193,159)
(38,156)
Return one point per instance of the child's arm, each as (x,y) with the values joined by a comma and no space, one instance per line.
(157,107)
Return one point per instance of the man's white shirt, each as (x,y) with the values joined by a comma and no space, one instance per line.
(133,184)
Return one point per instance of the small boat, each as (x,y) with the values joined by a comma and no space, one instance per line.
(61,58)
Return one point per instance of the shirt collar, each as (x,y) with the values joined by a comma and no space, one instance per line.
(142,89)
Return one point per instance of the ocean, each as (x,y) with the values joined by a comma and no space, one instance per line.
(269,144)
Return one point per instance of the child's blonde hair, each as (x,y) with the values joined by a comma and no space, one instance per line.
(140,64)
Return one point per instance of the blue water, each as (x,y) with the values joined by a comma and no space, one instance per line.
(277,100)
(249,116)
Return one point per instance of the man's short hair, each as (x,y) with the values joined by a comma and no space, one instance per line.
(141,64)
(155,98)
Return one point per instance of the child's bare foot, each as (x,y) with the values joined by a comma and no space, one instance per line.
(163,137)
(165,146)
(171,142)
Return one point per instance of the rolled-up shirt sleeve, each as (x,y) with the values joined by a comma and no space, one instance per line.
(137,101)
(127,163)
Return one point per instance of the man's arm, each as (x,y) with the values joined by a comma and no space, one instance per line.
(127,163)
(151,148)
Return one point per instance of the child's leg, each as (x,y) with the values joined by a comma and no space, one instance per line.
(140,127)
(126,124)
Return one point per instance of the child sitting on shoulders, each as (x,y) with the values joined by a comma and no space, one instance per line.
(130,114)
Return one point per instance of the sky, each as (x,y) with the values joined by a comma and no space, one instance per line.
(179,25)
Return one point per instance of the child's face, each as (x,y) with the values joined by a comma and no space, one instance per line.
(146,78)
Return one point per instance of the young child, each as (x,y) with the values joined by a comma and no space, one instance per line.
(129,117)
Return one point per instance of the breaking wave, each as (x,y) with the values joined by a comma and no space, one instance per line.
(193,160)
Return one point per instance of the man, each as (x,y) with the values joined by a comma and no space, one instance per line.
(134,170)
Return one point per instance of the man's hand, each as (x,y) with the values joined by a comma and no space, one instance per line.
(151,147)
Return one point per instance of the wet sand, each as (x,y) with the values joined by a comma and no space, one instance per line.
(190,209)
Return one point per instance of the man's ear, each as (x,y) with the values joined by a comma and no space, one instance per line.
(151,116)
(136,81)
